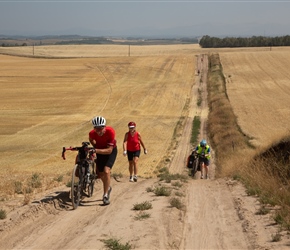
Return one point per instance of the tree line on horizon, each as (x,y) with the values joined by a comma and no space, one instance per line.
(204,42)
(254,41)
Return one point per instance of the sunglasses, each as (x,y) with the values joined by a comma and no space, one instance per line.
(99,128)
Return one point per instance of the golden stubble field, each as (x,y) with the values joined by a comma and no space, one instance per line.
(48,102)
(258,86)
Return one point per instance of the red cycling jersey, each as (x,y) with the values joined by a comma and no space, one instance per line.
(133,142)
(106,140)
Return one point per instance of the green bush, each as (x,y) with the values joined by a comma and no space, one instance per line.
(142,206)
(18,187)
(177,184)
(59,178)
(142,216)
(114,244)
(35,181)
(176,202)
(3,214)
(276,237)
(162,191)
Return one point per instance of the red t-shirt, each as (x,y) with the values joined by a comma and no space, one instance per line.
(133,143)
(106,140)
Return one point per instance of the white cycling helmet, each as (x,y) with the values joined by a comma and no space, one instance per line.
(99,121)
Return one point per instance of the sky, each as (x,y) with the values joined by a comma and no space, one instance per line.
(141,18)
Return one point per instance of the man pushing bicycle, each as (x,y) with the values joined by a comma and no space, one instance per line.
(203,152)
(102,138)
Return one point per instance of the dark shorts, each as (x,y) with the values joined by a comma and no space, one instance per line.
(205,160)
(132,154)
(106,160)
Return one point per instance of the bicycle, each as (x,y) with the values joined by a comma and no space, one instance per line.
(195,162)
(83,174)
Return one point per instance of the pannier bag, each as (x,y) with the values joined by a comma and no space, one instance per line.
(190,161)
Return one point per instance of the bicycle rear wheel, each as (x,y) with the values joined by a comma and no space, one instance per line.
(92,179)
(76,187)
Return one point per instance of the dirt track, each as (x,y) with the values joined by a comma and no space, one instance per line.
(217,213)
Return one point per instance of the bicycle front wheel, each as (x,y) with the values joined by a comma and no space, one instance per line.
(76,187)
(195,167)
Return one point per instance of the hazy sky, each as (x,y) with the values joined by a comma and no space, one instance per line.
(141,17)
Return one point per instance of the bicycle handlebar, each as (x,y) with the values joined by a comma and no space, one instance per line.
(84,147)
(199,155)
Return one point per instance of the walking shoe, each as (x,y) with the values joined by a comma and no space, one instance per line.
(106,200)
(201,177)
(109,192)
(135,178)
(207,177)
(131,179)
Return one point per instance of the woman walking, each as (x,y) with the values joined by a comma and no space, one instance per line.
(132,149)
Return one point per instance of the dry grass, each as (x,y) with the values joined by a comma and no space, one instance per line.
(226,136)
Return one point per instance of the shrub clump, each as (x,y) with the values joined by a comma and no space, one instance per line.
(3,214)
(162,191)
(176,202)
(142,216)
(142,206)
(115,244)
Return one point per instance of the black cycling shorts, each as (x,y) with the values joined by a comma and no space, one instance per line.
(106,160)
(205,160)
(132,154)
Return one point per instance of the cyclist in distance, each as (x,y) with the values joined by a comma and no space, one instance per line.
(131,148)
(203,151)
(102,138)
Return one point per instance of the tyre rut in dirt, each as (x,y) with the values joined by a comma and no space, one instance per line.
(75,188)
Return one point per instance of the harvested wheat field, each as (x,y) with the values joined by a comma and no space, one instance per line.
(48,101)
(258,86)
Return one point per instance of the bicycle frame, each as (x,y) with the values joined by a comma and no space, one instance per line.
(83,174)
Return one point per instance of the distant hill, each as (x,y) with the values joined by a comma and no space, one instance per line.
(8,41)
